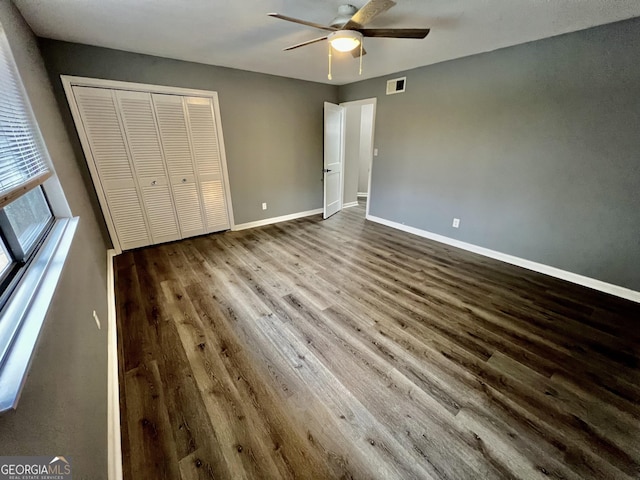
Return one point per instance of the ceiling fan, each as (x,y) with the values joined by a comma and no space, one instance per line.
(347,28)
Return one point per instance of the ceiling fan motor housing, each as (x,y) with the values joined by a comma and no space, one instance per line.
(345,12)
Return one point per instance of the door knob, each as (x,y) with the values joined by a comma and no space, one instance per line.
(154,182)
(326,170)
(184,180)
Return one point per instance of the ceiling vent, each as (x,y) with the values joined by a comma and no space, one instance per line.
(396,85)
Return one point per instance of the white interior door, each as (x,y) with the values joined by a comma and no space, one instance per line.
(174,137)
(109,162)
(208,161)
(333,157)
(143,141)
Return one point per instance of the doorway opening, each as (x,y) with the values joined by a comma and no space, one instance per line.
(359,125)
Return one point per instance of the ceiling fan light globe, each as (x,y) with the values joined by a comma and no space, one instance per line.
(345,40)
(345,44)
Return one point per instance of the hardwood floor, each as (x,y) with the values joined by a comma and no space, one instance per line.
(346,349)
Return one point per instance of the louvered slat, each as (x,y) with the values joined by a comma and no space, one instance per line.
(107,144)
(187,203)
(140,128)
(215,206)
(159,208)
(126,213)
(100,120)
(173,132)
(204,136)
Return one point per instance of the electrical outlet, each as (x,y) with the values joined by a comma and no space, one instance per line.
(264,205)
(95,316)
(456,223)
(375,152)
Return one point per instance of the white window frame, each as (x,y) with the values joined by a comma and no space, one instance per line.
(23,314)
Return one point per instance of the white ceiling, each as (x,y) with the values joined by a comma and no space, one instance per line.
(239,34)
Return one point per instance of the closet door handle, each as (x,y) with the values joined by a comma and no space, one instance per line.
(154,182)
(184,180)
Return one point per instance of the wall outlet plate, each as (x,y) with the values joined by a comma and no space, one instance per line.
(95,317)
(456,223)
(264,205)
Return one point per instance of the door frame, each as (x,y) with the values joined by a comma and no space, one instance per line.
(366,101)
(70,81)
(324,174)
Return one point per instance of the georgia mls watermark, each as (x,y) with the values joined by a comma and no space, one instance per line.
(35,468)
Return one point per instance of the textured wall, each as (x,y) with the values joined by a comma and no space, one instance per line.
(63,408)
(272,125)
(534,147)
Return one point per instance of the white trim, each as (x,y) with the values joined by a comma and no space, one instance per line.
(139,87)
(365,101)
(223,158)
(283,218)
(362,195)
(114,446)
(343,126)
(350,204)
(373,143)
(26,309)
(520,262)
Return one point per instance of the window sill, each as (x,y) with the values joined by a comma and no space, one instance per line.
(23,316)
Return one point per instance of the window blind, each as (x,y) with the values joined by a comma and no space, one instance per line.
(23,159)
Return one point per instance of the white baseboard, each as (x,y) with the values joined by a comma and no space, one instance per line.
(113,401)
(283,218)
(350,204)
(520,262)
(362,195)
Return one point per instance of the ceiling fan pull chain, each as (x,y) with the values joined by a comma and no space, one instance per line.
(329,76)
(361,49)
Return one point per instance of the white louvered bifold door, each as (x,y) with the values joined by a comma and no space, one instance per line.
(174,137)
(99,114)
(208,161)
(136,110)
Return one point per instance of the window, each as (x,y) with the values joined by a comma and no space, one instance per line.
(25,216)
(33,242)
(23,224)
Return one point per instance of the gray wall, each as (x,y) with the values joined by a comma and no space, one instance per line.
(63,407)
(272,125)
(536,148)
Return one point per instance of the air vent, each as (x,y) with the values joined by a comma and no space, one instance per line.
(396,85)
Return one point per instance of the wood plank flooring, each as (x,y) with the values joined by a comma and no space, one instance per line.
(346,349)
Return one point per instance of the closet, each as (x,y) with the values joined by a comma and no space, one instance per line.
(156,160)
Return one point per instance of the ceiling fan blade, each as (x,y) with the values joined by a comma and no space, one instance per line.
(302,22)
(395,32)
(356,52)
(367,13)
(308,42)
